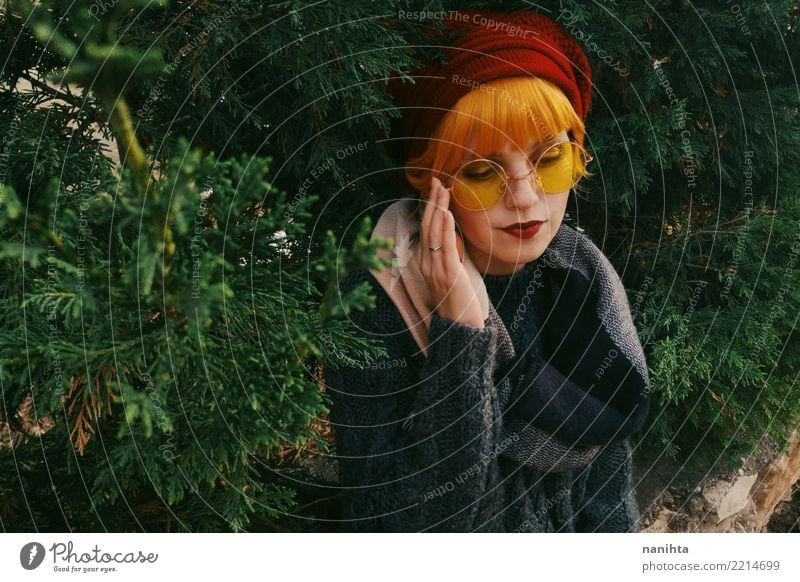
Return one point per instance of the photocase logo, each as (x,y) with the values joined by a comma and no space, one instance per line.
(31,555)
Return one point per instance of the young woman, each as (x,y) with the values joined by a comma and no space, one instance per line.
(514,376)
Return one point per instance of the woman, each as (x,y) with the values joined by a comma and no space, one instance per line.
(514,375)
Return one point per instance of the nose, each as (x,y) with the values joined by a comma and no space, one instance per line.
(522,193)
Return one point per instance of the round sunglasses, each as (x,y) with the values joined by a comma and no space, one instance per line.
(480,184)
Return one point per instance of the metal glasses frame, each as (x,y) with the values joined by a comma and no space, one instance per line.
(588,157)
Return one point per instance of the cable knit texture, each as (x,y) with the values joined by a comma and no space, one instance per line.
(428,443)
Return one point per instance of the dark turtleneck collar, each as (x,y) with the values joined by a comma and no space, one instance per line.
(507,293)
(501,288)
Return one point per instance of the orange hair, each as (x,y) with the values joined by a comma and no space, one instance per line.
(513,109)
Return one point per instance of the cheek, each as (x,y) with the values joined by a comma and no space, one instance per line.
(475,226)
(556,206)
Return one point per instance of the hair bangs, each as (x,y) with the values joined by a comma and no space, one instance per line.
(514,109)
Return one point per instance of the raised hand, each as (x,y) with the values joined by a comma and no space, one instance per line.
(442,268)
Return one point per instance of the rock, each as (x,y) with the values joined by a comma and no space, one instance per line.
(696,506)
(726,498)
(740,500)
(661,522)
(694,526)
(714,491)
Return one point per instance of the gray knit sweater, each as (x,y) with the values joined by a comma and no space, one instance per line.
(420,441)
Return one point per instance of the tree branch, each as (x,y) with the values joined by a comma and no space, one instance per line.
(67,97)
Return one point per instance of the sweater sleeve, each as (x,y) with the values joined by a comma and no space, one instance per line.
(609,501)
(424,466)
(581,387)
(560,406)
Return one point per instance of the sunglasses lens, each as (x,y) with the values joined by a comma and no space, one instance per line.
(479,185)
(560,167)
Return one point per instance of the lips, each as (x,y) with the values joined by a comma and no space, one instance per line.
(522,225)
(524,230)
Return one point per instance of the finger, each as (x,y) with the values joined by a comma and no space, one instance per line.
(448,240)
(436,222)
(426,214)
(449,250)
(433,205)
(446,261)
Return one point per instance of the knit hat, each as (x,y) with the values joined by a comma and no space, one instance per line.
(494,45)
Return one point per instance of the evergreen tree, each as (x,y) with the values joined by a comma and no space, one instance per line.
(161,336)
(166,321)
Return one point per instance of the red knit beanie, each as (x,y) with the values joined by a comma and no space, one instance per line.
(494,45)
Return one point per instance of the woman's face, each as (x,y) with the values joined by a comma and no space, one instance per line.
(496,251)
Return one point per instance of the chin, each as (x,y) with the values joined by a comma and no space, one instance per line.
(525,255)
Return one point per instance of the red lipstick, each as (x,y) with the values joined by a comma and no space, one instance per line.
(524,229)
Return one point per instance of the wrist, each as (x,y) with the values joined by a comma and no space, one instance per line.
(468,317)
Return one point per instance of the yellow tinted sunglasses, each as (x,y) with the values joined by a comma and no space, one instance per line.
(482,183)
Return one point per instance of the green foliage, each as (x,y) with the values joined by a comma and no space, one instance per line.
(164,328)
(169,316)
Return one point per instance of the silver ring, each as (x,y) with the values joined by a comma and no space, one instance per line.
(434,249)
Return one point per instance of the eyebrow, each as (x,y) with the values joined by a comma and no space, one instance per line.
(497,157)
